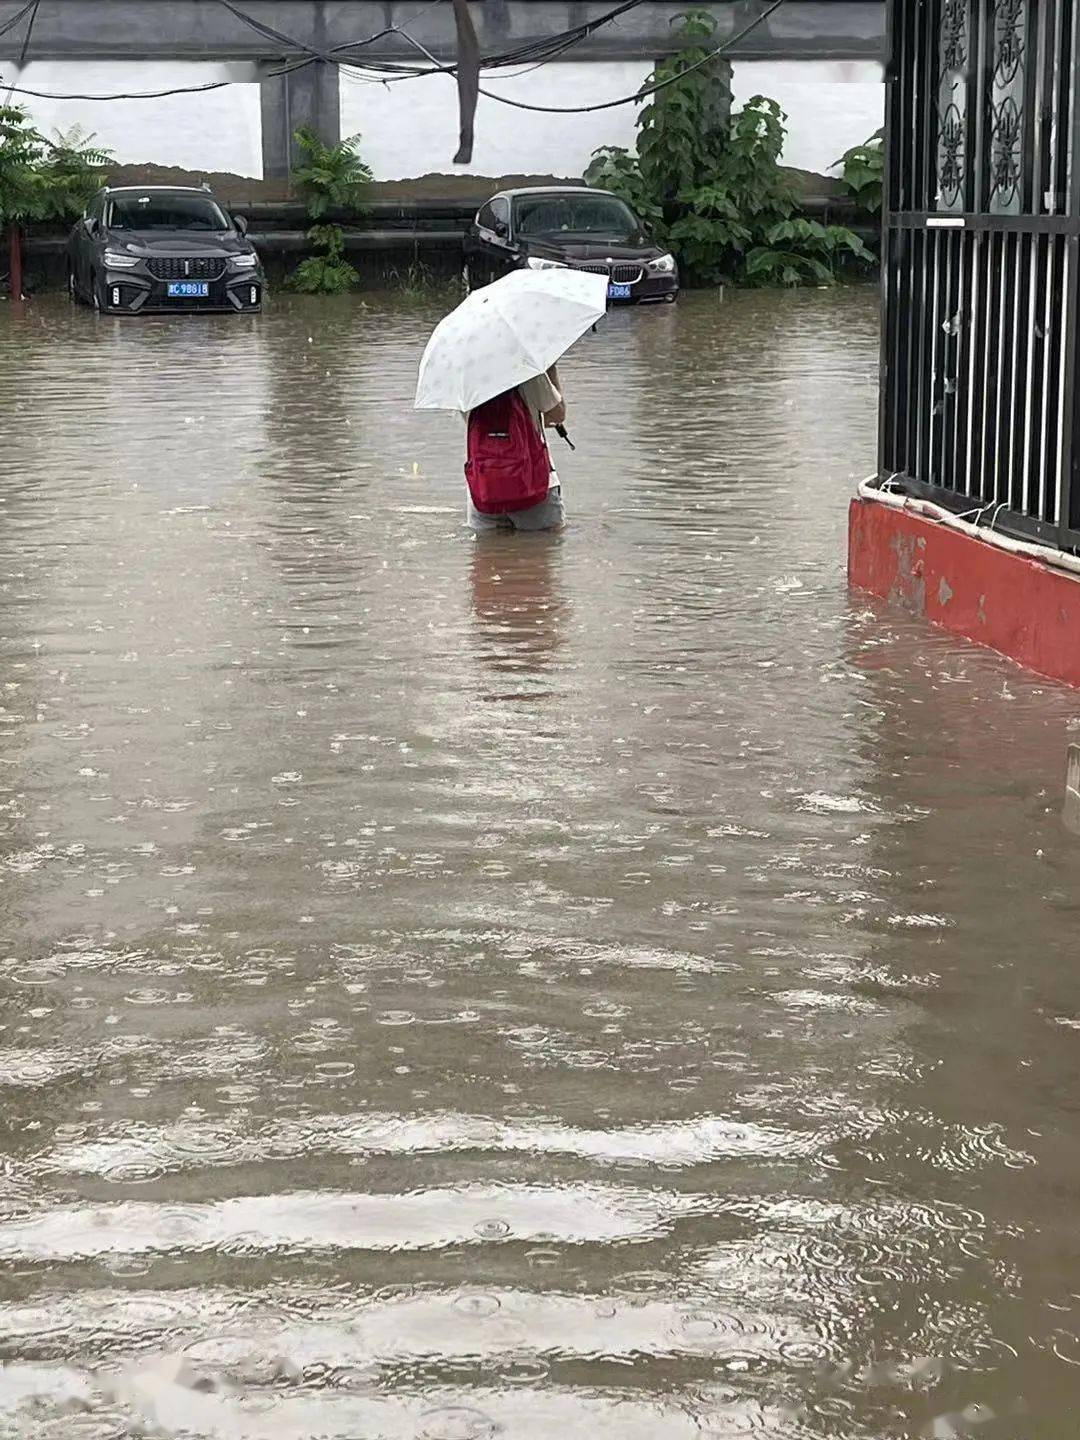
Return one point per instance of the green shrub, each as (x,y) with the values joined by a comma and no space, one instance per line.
(332,177)
(710,183)
(864,172)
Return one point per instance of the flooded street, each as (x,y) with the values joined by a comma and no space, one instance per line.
(618,984)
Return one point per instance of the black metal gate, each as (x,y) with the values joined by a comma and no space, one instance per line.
(982,225)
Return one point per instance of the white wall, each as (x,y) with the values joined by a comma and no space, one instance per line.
(411,129)
(215,130)
(831,104)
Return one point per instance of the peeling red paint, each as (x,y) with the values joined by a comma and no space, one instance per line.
(1019,607)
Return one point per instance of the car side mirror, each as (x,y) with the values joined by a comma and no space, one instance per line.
(92,226)
(502,229)
(240,221)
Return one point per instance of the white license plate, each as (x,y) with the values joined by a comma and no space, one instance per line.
(188,289)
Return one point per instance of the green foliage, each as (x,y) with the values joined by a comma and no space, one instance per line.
(683,127)
(614,168)
(72,171)
(329,273)
(864,172)
(332,177)
(45,179)
(802,252)
(419,282)
(319,275)
(710,183)
(22,151)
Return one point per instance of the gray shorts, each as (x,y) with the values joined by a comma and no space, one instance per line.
(548,515)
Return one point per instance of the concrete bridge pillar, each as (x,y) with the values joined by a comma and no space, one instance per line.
(311,96)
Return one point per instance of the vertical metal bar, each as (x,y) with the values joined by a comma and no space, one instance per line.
(1014,421)
(975,330)
(930,387)
(947,331)
(1001,438)
(920,388)
(1046,20)
(1027,79)
(1063,97)
(1042,344)
(1032,270)
(1068,496)
(903,138)
(1048,391)
(887,373)
(993,354)
(1065,488)
(926,176)
(960,310)
(981,70)
(900,307)
(936,388)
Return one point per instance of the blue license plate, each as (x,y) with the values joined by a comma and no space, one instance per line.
(188,290)
(618,292)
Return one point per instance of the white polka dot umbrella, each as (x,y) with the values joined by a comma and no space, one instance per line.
(505,334)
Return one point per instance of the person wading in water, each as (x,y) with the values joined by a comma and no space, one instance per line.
(512,484)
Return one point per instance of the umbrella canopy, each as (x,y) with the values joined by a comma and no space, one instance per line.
(505,334)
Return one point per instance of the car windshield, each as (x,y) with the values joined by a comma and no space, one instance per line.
(166,212)
(576,215)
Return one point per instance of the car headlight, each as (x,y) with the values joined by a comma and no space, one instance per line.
(120,260)
(244,262)
(662,265)
(534,262)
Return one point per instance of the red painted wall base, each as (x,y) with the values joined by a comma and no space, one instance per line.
(1023,609)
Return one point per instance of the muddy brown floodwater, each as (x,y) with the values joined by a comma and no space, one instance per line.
(620,985)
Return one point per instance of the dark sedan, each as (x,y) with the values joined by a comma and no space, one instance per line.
(164,249)
(569,226)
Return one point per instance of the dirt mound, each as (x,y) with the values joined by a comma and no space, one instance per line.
(236,188)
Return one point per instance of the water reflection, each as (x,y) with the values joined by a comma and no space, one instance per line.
(615,982)
(519,604)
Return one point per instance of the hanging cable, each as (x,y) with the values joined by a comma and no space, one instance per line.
(136,95)
(26,42)
(540,50)
(10,24)
(643,94)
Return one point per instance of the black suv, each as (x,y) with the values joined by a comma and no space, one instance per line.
(569,225)
(162,248)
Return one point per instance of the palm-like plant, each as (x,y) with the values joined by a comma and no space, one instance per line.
(330,177)
(72,171)
(42,179)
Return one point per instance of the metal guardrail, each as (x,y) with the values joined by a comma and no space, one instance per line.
(420,226)
(980,250)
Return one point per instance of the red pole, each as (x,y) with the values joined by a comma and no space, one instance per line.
(15,253)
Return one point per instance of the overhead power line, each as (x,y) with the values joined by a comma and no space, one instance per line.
(26,40)
(10,24)
(388,71)
(642,94)
(539,50)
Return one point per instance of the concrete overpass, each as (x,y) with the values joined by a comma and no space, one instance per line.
(208,30)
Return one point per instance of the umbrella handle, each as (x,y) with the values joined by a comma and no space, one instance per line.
(560,430)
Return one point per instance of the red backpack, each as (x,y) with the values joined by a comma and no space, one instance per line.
(508,465)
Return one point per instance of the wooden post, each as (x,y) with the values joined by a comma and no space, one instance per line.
(468,78)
